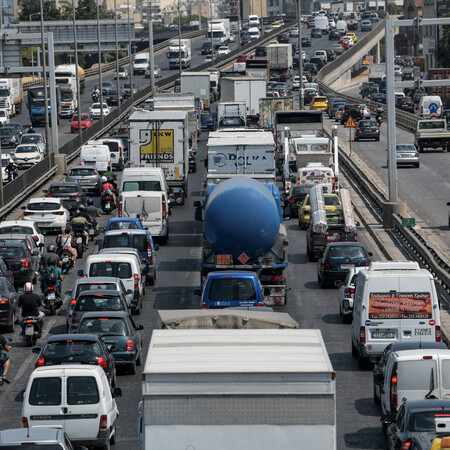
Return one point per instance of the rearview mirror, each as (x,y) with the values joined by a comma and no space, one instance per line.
(139,327)
(117,392)
(129,291)
(80,273)
(36,350)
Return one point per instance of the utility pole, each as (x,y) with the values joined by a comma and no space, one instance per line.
(117,55)
(100,76)
(44,75)
(300,55)
(179,39)
(77,78)
(150,46)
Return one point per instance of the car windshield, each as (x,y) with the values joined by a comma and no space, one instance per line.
(110,269)
(104,325)
(31,139)
(43,206)
(345,252)
(71,347)
(123,225)
(98,302)
(68,189)
(424,420)
(232,289)
(85,172)
(405,148)
(11,252)
(16,229)
(7,131)
(94,287)
(367,123)
(25,149)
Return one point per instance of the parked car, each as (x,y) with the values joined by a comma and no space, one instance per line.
(123,73)
(27,155)
(118,331)
(406,155)
(48,213)
(22,262)
(87,178)
(367,129)
(9,309)
(77,349)
(95,110)
(86,122)
(70,193)
(338,258)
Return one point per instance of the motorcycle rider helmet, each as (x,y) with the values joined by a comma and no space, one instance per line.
(51,261)
(67,230)
(81,208)
(28,287)
(51,248)
(77,212)
(103,180)
(90,201)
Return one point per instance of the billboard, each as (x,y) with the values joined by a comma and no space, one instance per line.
(156,146)
(400,305)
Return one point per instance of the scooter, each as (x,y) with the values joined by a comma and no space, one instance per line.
(379,119)
(78,231)
(52,299)
(66,260)
(30,330)
(95,96)
(107,202)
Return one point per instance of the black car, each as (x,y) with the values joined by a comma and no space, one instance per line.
(306,41)
(316,33)
(296,194)
(319,62)
(245,39)
(8,304)
(77,349)
(405,104)
(379,98)
(192,162)
(334,35)
(5,271)
(351,109)
(70,192)
(112,98)
(311,67)
(367,129)
(261,51)
(283,38)
(8,136)
(22,262)
(127,90)
(364,15)
(18,126)
(337,258)
(308,95)
(331,55)
(207,121)
(106,86)
(206,48)
(308,75)
(294,48)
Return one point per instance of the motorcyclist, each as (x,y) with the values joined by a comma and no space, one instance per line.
(51,253)
(93,212)
(29,303)
(65,241)
(52,267)
(12,168)
(107,186)
(82,217)
(379,111)
(96,93)
(4,360)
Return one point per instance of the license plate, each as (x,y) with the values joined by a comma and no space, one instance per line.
(404,156)
(347,266)
(222,303)
(44,224)
(383,334)
(65,259)
(29,331)
(51,296)
(79,240)
(422,332)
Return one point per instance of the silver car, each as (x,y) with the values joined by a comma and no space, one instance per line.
(87,177)
(407,155)
(156,72)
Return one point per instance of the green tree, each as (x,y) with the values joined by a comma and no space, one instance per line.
(87,9)
(443,49)
(33,7)
(393,9)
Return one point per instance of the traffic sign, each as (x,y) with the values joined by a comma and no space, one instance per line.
(433,107)
(350,123)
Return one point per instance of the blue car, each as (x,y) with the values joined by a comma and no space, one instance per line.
(231,289)
(316,33)
(207,121)
(124,223)
(142,241)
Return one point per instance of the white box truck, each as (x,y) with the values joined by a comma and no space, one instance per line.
(231,114)
(11,96)
(251,90)
(182,102)
(140,63)
(220,31)
(239,388)
(199,84)
(280,60)
(177,46)
(160,139)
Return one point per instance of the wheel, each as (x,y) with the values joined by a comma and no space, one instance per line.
(303,226)
(363,363)
(10,328)
(139,358)
(323,283)
(52,309)
(112,439)
(384,427)
(29,341)
(417,165)
(346,318)
(354,350)
(114,379)
(79,251)
(376,399)
(132,368)
(378,139)
(164,239)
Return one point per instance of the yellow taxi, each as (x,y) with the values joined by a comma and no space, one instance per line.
(332,203)
(273,42)
(441,443)
(276,24)
(319,103)
(353,36)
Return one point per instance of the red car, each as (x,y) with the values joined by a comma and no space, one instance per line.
(242,58)
(345,44)
(86,122)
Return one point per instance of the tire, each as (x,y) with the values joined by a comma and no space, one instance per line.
(375,397)
(346,318)
(29,341)
(384,426)
(10,328)
(112,439)
(164,240)
(302,225)
(417,165)
(139,358)
(114,379)
(378,140)
(354,350)
(132,368)
(79,251)
(323,283)
(363,363)
(52,309)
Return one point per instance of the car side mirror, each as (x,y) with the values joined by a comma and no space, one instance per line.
(370,253)
(129,291)
(80,273)
(35,252)
(357,224)
(156,247)
(36,350)
(338,283)
(117,392)
(139,327)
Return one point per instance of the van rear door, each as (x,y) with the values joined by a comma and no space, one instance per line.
(153,214)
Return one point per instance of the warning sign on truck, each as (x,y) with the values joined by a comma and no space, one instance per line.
(156,146)
(400,305)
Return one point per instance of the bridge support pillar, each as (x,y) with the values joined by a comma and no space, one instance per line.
(61,163)
(390,208)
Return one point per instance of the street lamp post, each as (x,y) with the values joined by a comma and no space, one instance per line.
(44,76)
(117,56)
(77,78)
(179,39)
(130,52)
(300,55)
(150,46)
(100,76)
(32,48)
(211,32)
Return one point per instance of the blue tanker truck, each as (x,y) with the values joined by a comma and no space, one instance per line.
(243,230)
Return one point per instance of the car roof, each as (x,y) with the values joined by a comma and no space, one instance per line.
(96,280)
(8,223)
(427,405)
(100,292)
(45,200)
(74,337)
(118,314)
(65,183)
(123,232)
(346,244)
(115,250)
(232,273)
(400,346)
(48,435)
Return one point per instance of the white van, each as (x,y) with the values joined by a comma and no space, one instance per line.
(254,33)
(415,375)
(75,397)
(149,206)
(321,54)
(116,149)
(97,156)
(140,64)
(341,26)
(126,267)
(253,20)
(322,23)
(394,301)
(430,105)
(316,174)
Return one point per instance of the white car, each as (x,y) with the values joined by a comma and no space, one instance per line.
(293,32)
(47,213)
(4,119)
(22,227)
(296,82)
(35,138)
(365,111)
(232,37)
(350,40)
(305,56)
(223,50)
(96,112)
(331,24)
(208,59)
(346,292)
(398,71)
(27,155)
(6,159)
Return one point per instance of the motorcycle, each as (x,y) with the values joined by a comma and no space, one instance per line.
(30,330)
(12,175)
(95,96)
(78,231)
(52,299)
(107,202)
(66,260)
(379,119)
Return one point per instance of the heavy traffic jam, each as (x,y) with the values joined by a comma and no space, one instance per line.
(199,276)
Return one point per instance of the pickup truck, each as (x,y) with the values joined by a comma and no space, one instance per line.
(317,241)
(432,133)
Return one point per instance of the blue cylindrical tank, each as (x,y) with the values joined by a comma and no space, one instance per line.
(241,216)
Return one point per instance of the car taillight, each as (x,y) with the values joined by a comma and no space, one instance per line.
(130,345)
(164,211)
(39,363)
(291,199)
(28,213)
(74,318)
(136,281)
(51,288)
(416,155)
(58,213)
(24,262)
(326,266)
(149,252)
(362,335)
(394,400)
(367,263)
(120,210)
(4,301)
(25,422)
(36,238)
(102,363)
(107,197)
(204,306)
(377,128)
(438,334)
(348,292)
(77,195)
(407,445)
(359,129)
(103,422)
(49,195)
